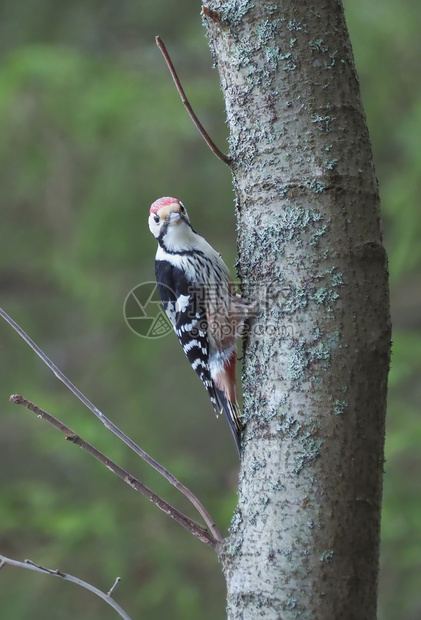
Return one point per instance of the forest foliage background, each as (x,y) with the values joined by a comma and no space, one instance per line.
(92,131)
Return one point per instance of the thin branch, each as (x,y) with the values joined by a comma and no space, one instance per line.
(29,565)
(114,429)
(113,587)
(211,144)
(197,530)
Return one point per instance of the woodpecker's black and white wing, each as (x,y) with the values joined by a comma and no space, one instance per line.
(184,305)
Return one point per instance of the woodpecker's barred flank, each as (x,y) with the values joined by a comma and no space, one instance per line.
(199,299)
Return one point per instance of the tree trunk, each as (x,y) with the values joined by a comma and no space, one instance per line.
(304,542)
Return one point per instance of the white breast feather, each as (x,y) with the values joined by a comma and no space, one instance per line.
(185,262)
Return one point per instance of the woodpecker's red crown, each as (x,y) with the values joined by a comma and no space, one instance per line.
(162,202)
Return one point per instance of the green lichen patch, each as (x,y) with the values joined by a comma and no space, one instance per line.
(322,122)
(267,30)
(310,450)
(294,221)
(288,426)
(339,407)
(327,556)
(305,356)
(331,164)
(233,11)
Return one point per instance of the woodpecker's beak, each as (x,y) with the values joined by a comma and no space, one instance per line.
(173,217)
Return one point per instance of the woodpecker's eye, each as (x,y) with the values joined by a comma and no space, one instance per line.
(156,218)
(182,209)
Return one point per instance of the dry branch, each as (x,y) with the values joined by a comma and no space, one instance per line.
(194,528)
(211,144)
(29,565)
(114,429)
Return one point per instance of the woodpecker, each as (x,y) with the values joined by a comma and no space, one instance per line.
(200,301)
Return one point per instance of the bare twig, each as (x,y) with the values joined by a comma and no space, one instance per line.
(113,587)
(29,565)
(197,530)
(211,144)
(114,429)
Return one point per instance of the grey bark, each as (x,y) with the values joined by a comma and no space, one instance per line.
(304,541)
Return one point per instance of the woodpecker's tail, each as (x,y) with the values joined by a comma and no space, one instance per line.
(225,386)
(233,414)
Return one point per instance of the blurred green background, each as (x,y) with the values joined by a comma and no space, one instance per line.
(91,132)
